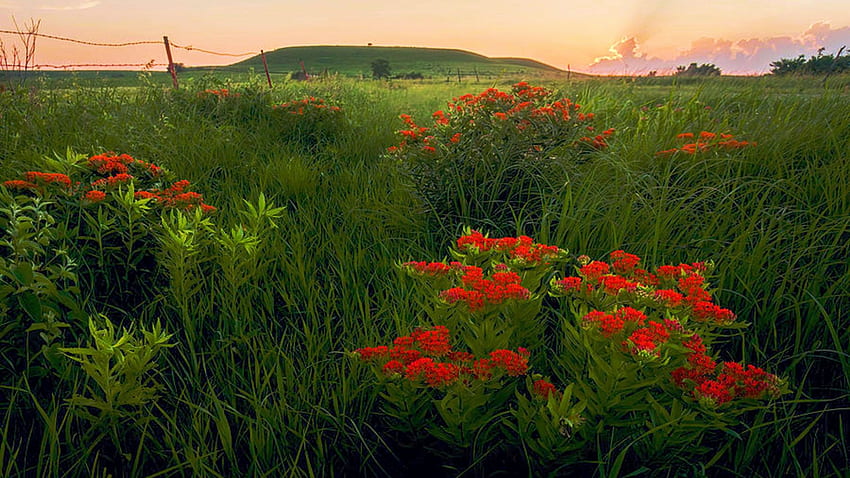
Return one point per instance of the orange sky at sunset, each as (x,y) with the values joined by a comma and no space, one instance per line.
(605,36)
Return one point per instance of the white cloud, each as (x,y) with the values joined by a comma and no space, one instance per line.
(744,56)
(78,6)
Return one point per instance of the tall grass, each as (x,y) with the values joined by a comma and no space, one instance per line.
(277,397)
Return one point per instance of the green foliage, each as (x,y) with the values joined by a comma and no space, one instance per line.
(547,426)
(106,208)
(706,69)
(222,102)
(279,398)
(819,64)
(119,365)
(38,286)
(380,69)
(497,157)
(309,122)
(635,346)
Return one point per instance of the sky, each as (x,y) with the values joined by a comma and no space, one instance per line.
(620,37)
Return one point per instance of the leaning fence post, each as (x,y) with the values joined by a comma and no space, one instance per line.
(266,67)
(171,68)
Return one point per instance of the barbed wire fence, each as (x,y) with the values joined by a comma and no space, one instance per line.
(22,60)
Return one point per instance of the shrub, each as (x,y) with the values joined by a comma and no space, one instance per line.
(310,121)
(39,291)
(706,69)
(496,156)
(635,345)
(106,208)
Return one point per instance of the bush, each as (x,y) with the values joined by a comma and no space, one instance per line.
(634,345)
(814,65)
(706,69)
(496,156)
(309,122)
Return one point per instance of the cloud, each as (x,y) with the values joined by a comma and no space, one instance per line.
(743,56)
(626,59)
(820,35)
(79,6)
(625,49)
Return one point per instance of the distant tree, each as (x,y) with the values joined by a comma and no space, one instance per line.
(819,64)
(381,68)
(706,69)
(179,67)
(786,66)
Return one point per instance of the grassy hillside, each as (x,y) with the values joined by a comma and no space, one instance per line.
(356,61)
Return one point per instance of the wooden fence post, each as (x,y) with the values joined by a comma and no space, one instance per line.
(171,68)
(266,67)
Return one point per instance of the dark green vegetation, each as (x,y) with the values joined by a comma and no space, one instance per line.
(436,63)
(706,69)
(258,384)
(814,65)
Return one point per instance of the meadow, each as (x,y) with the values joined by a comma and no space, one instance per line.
(142,336)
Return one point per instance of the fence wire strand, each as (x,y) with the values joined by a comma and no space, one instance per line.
(191,48)
(82,42)
(81,65)
(145,42)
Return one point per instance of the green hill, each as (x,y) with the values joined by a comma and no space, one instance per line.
(357,60)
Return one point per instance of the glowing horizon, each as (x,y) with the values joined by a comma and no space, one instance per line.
(608,37)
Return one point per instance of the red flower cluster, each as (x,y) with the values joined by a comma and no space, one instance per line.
(681,287)
(646,340)
(416,133)
(479,293)
(112,181)
(110,163)
(36,181)
(718,385)
(94,196)
(177,197)
(528,109)
(426,356)
(116,170)
(528,92)
(435,269)
(301,107)
(673,291)
(543,388)
(488,97)
(600,141)
(514,363)
(44,179)
(706,141)
(20,184)
(220,93)
(613,323)
(521,250)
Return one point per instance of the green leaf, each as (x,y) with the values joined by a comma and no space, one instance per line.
(6,330)
(23,273)
(31,304)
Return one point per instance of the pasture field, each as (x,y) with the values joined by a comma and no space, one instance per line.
(137,339)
